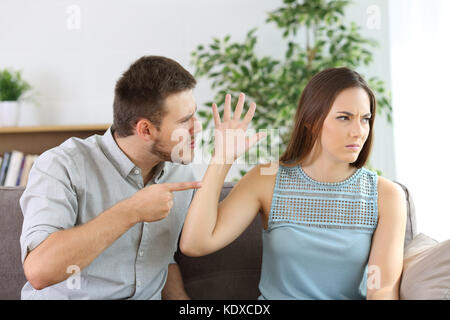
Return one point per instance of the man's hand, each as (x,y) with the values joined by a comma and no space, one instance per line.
(154,203)
(230,141)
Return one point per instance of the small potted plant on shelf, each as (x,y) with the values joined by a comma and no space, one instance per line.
(12,90)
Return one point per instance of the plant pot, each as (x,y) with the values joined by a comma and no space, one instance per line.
(9,113)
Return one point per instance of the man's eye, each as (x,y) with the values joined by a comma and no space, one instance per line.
(343,117)
(367,119)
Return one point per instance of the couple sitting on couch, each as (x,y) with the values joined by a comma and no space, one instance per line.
(112,207)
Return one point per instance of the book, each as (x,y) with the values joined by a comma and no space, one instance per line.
(14,168)
(29,161)
(4,168)
(20,171)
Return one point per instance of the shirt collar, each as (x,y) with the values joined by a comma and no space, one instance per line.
(120,159)
(159,171)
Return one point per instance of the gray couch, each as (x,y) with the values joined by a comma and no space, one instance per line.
(231,273)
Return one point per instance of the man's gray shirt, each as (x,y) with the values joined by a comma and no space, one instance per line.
(75,182)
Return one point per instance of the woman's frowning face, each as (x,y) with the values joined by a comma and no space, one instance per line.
(347,126)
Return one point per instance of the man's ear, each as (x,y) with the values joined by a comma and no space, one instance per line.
(146,130)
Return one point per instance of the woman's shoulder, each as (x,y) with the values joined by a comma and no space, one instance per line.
(389,187)
(390,195)
(262,176)
(264,170)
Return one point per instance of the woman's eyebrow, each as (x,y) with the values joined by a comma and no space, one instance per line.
(351,114)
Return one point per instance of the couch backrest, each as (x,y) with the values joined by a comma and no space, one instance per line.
(230,273)
(12,278)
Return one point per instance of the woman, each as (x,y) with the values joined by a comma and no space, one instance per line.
(332,229)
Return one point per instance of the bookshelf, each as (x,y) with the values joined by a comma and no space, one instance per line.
(20,146)
(37,139)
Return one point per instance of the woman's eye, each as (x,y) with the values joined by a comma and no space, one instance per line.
(367,120)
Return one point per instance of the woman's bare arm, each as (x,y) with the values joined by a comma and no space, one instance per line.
(210,226)
(386,254)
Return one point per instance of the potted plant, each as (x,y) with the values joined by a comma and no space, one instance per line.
(12,89)
(316,37)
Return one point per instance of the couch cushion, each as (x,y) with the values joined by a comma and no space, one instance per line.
(426,270)
(12,278)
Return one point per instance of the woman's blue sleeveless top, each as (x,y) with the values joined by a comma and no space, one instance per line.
(319,236)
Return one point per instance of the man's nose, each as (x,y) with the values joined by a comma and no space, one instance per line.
(197,126)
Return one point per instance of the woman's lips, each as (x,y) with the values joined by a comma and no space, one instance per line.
(353,147)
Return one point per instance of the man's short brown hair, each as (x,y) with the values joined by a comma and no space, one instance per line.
(142,89)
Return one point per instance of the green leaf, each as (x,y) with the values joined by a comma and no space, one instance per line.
(245,71)
(214,46)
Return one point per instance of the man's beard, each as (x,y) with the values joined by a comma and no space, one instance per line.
(158,150)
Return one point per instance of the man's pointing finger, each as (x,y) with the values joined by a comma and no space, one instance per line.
(180,186)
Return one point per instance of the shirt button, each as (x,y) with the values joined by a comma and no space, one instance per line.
(138,283)
(136,171)
(141,253)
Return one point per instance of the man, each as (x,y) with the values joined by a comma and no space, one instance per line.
(112,206)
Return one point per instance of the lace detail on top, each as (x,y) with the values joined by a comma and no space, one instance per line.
(349,204)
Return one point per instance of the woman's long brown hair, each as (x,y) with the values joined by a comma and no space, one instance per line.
(315,104)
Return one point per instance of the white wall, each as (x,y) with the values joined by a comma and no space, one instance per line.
(420,71)
(74,70)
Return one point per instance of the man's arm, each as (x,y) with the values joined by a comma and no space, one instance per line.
(47,264)
(52,241)
(174,288)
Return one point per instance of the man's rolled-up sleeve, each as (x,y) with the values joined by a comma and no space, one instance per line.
(49,202)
